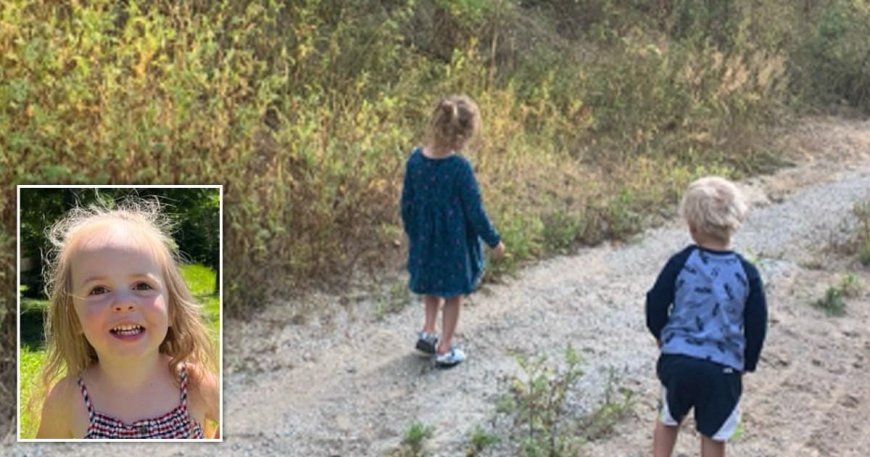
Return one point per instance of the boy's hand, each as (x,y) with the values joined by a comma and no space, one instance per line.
(498,251)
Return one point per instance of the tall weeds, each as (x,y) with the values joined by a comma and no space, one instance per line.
(305,112)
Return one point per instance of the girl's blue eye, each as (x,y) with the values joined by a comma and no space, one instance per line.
(99,290)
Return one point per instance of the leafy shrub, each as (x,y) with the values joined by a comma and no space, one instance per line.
(833,64)
(537,405)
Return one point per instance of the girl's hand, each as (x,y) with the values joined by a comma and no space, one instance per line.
(498,251)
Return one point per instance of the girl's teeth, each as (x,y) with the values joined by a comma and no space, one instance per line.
(127,330)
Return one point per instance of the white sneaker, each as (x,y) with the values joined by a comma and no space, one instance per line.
(452,358)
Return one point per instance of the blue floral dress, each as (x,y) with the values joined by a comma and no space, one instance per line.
(444,219)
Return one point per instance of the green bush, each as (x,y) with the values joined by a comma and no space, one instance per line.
(307,122)
(833,64)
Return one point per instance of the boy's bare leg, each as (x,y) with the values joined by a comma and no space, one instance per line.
(711,448)
(664,439)
(431,303)
(450,319)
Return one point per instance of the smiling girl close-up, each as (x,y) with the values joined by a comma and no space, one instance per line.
(123,333)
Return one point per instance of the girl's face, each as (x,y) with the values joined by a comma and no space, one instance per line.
(118,292)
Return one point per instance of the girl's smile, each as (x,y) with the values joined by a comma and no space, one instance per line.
(127,332)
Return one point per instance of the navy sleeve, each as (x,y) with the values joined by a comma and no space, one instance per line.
(472,206)
(660,298)
(407,197)
(754,317)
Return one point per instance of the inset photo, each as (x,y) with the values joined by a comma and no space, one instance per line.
(119,306)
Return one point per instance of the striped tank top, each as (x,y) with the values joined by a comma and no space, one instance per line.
(175,424)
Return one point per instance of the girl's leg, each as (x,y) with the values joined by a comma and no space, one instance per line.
(664,439)
(450,319)
(431,303)
(712,448)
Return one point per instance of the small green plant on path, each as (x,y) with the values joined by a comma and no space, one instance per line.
(601,422)
(850,285)
(832,303)
(537,403)
(480,440)
(542,421)
(414,442)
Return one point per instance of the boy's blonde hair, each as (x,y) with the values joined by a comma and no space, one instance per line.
(455,120)
(714,206)
(68,352)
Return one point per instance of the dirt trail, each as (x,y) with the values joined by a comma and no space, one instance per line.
(343,383)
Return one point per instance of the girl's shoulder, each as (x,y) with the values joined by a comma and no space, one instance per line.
(61,393)
(463,160)
(462,166)
(62,408)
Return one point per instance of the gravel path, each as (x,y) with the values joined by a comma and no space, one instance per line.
(341,382)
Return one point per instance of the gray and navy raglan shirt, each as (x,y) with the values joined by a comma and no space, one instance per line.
(709,305)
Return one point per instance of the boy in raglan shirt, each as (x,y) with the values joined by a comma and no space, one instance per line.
(708,313)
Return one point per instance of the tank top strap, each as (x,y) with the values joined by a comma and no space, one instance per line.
(182,379)
(87,398)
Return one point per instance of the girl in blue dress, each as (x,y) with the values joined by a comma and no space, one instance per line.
(444,219)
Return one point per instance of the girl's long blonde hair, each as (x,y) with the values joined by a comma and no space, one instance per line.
(68,352)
